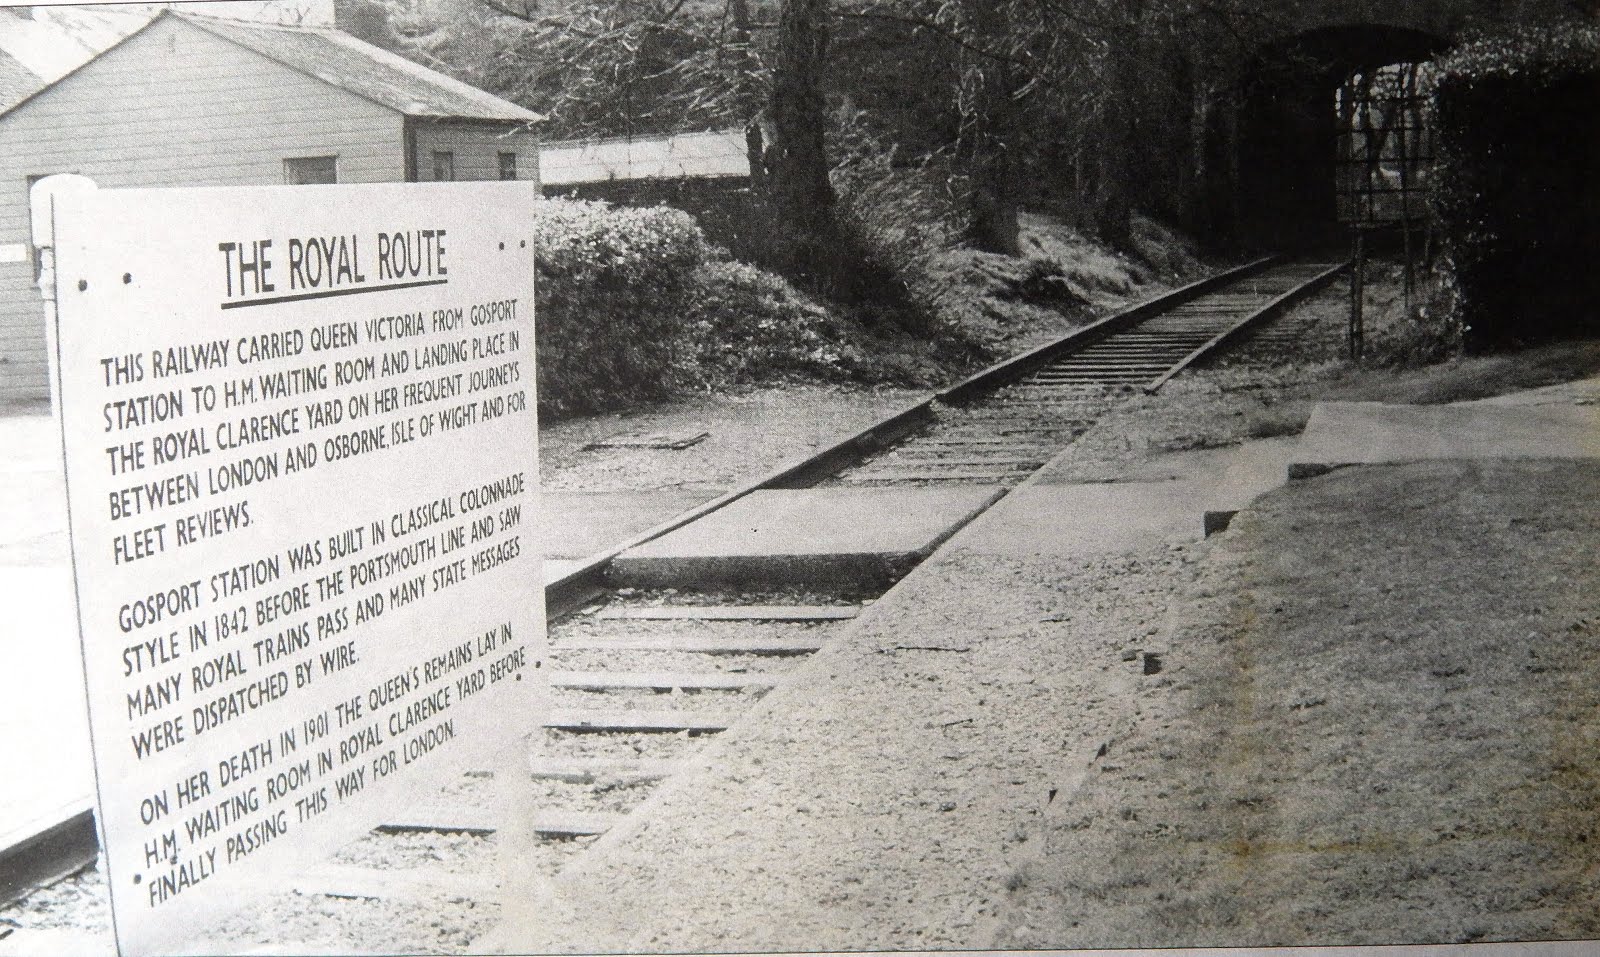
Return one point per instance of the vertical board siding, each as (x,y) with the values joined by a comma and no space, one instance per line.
(173,106)
(477,148)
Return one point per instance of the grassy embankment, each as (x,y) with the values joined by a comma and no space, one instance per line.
(1377,724)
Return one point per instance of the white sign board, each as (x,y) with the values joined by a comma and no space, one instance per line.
(301,454)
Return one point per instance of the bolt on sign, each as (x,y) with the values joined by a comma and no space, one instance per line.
(301,457)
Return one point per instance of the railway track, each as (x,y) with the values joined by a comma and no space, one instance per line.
(639,677)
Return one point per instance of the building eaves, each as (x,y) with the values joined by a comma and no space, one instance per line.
(339,60)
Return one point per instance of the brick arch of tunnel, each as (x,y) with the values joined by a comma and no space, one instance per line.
(1263,168)
(1283,171)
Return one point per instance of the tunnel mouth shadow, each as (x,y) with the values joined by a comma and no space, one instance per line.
(1285,195)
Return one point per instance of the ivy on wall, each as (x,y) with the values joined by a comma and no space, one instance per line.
(1514,185)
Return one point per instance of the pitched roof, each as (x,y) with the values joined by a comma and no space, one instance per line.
(329,55)
(51,42)
(340,59)
(17,83)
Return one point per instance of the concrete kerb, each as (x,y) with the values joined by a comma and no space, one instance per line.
(806,537)
(1368,433)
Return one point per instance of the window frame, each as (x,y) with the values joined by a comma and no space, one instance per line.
(288,165)
(448,166)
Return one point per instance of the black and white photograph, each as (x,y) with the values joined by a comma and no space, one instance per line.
(799,476)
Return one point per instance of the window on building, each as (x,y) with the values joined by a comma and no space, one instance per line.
(309,170)
(444,166)
(508,166)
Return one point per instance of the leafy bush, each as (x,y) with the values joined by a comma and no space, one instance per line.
(613,287)
(909,217)
(1430,335)
(634,305)
(1512,189)
(970,306)
(745,325)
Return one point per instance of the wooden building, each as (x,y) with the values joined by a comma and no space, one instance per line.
(188,100)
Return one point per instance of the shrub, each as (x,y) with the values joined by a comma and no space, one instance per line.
(745,325)
(909,218)
(1428,336)
(634,305)
(970,306)
(613,287)
(1512,189)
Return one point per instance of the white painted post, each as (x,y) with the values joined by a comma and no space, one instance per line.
(41,209)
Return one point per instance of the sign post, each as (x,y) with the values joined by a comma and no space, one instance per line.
(301,460)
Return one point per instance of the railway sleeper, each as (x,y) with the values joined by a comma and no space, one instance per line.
(694,644)
(661,680)
(594,770)
(946,461)
(973,475)
(783,613)
(568,826)
(575,721)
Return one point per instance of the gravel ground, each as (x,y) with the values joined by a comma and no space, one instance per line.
(80,902)
(612,797)
(430,924)
(452,853)
(885,799)
(751,433)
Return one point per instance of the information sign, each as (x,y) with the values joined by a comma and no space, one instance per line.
(301,456)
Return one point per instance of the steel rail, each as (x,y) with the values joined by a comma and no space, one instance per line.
(72,844)
(1276,306)
(570,591)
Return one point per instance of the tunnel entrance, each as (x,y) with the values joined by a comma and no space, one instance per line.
(1289,132)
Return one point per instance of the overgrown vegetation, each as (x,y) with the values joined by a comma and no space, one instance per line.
(635,305)
(897,145)
(1514,193)
(1098,109)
